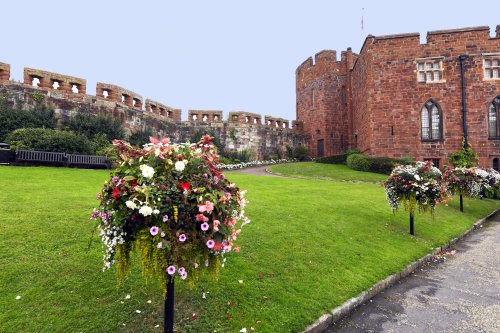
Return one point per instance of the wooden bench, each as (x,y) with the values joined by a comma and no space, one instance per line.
(87,160)
(42,157)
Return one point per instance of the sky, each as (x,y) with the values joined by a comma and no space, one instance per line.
(229,55)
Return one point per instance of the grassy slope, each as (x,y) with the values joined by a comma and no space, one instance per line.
(336,172)
(311,245)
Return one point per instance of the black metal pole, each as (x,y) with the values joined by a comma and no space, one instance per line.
(412,227)
(169,306)
(464,103)
(461,203)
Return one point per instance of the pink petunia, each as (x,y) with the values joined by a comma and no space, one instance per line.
(181,270)
(209,207)
(171,270)
(154,230)
(165,218)
(204,226)
(210,244)
(182,238)
(184,276)
(160,245)
(196,265)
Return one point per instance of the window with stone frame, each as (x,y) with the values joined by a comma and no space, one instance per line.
(492,68)
(494,118)
(430,70)
(431,121)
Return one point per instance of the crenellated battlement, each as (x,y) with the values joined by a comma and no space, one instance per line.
(55,81)
(118,94)
(244,118)
(162,110)
(280,123)
(205,116)
(4,72)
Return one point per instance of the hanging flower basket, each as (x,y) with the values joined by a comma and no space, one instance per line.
(170,204)
(415,186)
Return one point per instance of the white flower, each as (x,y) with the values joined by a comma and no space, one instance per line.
(243,330)
(417,177)
(131,204)
(138,311)
(147,171)
(146,210)
(18,297)
(179,166)
(156,211)
(127,297)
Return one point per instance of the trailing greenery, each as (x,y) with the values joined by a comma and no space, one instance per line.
(90,125)
(300,153)
(196,136)
(464,158)
(12,118)
(45,139)
(352,240)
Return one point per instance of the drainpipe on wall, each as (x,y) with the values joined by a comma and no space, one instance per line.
(464,103)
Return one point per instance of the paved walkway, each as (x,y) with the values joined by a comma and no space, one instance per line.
(458,294)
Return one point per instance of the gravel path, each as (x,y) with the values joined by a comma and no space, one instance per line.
(258,171)
(457,293)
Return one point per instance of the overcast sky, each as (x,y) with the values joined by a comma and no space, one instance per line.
(224,55)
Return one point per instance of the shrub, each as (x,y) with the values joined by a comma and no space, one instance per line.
(334,159)
(90,125)
(141,137)
(382,165)
(358,162)
(301,153)
(12,118)
(45,139)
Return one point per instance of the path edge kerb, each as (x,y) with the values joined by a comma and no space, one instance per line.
(343,310)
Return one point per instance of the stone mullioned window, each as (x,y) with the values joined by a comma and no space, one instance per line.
(492,68)
(430,70)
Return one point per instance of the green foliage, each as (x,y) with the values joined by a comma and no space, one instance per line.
(301,153)
(464,158)
(141,137)
(99,143)
(493,192)
(232,135)
(382,165)
(12,118)
(358,162)
(44,139)
(334,159)
(38,98)
(90,125)
(245,155)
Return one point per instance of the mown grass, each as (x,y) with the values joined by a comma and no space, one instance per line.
(334,172)
(311,246)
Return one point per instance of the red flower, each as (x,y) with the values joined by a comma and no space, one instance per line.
(133,183)
(184,186)
(116,193)
(217,246)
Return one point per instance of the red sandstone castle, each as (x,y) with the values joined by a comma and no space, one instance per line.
(399,98)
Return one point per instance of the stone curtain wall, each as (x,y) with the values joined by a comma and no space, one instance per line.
(385,97)
(67,95)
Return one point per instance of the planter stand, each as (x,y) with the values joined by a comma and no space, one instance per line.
(412,227)
(461,203)
(169,306)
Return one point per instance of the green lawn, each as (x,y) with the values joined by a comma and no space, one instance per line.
(311,245)
(333,172)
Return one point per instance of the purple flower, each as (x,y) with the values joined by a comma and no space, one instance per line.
(160,245)
(222,176)
(196,265)
(185,192)
(165,218)
(182,238)
(216,179)
(184,276)
(206,262)
(210,243)
(154,230)
(181,270)
(204,226)
(171,270)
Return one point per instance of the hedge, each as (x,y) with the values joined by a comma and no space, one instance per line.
(45,139)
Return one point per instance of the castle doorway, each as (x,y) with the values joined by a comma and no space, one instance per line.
(321,148)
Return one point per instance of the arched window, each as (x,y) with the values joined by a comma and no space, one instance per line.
(496,165)
(494,118)
(431,121)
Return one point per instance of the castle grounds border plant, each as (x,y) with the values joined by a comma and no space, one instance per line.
(62,288)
